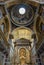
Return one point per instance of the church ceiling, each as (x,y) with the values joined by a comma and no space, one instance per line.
(21,30)
(11,19)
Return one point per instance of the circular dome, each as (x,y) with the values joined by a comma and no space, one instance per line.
(22,10)
(22,14)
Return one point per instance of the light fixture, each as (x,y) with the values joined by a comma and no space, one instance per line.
(22,10)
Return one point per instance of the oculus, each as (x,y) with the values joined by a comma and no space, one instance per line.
(22,10)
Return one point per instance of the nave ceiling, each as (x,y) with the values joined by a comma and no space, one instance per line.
(14,29)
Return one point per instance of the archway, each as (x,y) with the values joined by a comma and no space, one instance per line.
(22,32)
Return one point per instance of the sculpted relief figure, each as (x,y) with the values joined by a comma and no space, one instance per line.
(22,55)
